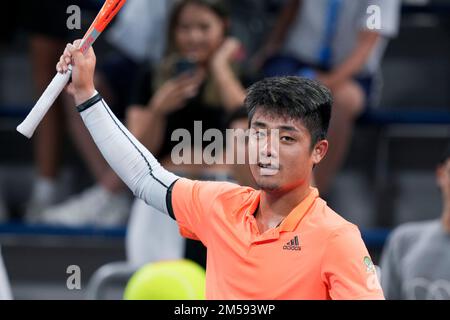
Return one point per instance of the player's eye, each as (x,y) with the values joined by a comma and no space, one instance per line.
(287,139)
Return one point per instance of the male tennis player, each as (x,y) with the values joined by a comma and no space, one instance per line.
(282,242)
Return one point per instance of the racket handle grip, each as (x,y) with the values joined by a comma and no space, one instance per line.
(56,86)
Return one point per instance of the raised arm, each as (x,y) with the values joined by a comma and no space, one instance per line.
(134,164)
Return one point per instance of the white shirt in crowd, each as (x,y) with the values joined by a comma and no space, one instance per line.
(140,29)
(336,24)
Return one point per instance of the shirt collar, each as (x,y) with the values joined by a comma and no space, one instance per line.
(295,216)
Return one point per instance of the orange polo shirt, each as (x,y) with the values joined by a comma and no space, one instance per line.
(313,254)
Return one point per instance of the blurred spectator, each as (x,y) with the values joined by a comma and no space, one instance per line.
(151,236)
(416,260)
(331,41)
(195,82)
(114,79)
(137,37)
(46,23)
(139,30)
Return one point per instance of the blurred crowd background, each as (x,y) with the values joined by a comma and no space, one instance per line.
(61,205)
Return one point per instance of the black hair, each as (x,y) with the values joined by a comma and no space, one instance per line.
(217,6)
(296,98)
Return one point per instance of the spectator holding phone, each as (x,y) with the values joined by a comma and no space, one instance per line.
(196,81)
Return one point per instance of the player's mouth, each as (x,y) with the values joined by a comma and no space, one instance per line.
(268,169)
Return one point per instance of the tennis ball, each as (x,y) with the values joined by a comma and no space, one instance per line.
(167,280)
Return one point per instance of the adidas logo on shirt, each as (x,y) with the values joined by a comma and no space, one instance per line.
(292,245)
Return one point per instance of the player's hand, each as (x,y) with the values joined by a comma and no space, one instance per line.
(83,67)
(174,93)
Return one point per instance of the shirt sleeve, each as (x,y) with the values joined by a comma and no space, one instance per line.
(347,268)
(196,204)
(131,161)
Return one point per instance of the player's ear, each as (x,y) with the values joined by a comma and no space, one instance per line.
(319,151)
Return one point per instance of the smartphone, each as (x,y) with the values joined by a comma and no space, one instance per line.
(184,66)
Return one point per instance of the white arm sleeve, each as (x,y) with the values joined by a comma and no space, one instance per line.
(132,162)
